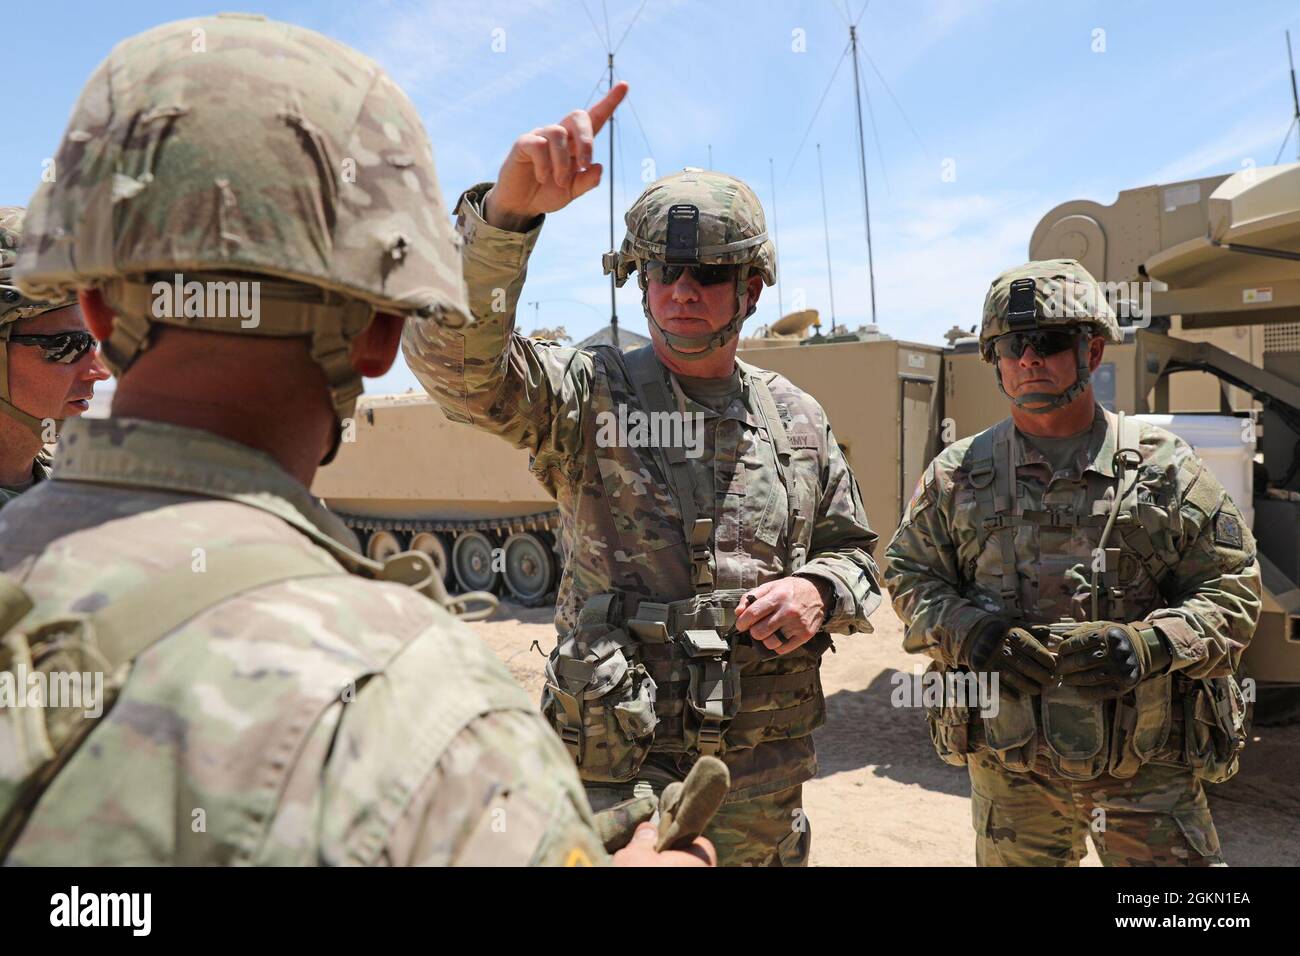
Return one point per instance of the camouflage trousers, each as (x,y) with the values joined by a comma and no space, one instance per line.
(765,831)
(1159,817)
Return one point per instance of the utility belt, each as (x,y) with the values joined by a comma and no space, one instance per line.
(1171,719)
(636,676)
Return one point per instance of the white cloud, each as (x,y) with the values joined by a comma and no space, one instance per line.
(1250,142)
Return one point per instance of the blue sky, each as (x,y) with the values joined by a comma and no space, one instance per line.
(1018,99)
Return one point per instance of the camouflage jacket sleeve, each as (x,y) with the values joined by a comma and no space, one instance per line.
(504,794)
(1213,590)
(440,758)
(922,572)
(840,553)
(483,372)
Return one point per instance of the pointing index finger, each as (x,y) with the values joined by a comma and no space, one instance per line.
(603,110)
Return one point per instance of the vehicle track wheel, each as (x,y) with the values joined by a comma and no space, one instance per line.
(382,545)
(529,568)
(471,562)
(435,546)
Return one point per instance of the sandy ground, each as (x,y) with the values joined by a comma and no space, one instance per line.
(882,796)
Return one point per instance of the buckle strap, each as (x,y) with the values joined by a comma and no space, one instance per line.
(701,555)
(569,728)
(614,642)
(716,609)
(714,696)
(753,719)
(646,373)
(596,609)
(704,643)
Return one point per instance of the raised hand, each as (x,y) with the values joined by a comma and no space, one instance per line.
(550,166)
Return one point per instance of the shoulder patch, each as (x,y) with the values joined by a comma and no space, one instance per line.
(577,856)
(1227,531)
(923,496)
(1205,493)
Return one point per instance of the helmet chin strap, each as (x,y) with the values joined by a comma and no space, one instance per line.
(336,441)
(36,426)
(33,424)
(701,346)
(1050,401)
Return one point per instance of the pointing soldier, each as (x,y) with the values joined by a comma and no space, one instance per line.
(1096,566)
(702,581)
(262,701)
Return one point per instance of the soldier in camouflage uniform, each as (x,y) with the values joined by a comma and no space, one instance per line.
(1097,569)
(701,580)
(272,697)
(49,365)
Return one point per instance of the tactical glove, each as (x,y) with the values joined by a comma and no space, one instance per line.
(684,809)
(1021,662)
(616,824)
(1106,659)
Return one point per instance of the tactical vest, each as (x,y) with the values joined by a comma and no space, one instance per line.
(1168,719)
(636,676)
(43,739)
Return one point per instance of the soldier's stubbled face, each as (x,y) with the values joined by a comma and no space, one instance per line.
(685,307)
(1052,374)
(53,389)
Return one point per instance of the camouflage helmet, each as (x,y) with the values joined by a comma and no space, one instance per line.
(1047,294)
(714,219)
(1064,294)
(236,147)
(15,306)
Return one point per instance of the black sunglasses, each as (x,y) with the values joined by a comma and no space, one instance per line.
(705,275)
(1045,342)
(62,348)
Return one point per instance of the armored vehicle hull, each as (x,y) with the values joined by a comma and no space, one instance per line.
(409,479)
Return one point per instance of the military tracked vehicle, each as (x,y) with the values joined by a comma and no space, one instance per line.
(412,480)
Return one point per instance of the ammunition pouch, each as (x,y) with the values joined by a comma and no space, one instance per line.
(713,690)
(1012,734)
(1214,726)
(1081,738)
(636,677)
(950,725)
(1170,719)
(600,701)
(1074,732)
(1140,725)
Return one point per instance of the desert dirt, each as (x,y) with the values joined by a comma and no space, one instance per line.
(883,798)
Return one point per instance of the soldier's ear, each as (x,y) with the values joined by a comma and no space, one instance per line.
(375,349)
(99,317)
(1095,349)
(755,290)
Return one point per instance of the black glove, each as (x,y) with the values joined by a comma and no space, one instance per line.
(1106,659)
(1020,661)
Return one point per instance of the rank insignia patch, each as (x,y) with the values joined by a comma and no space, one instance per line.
(1227,531)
